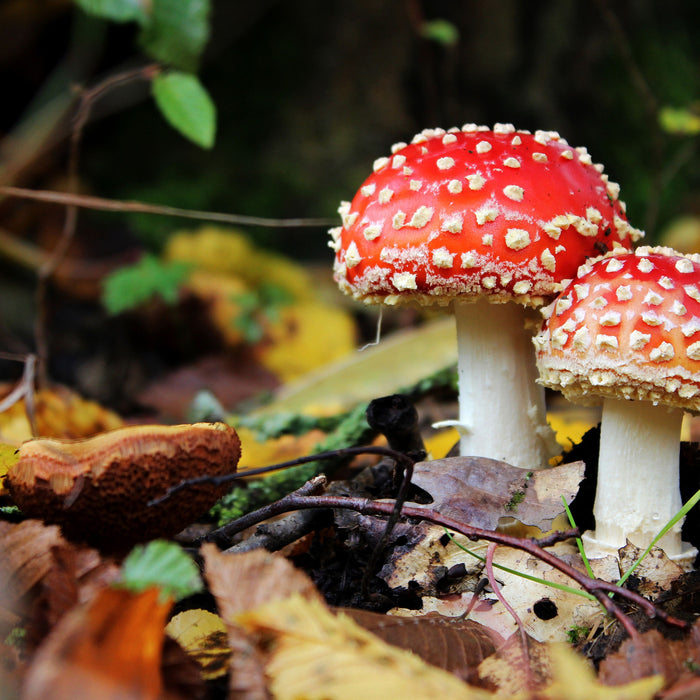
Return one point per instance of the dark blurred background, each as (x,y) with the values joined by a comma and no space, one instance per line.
(310,92)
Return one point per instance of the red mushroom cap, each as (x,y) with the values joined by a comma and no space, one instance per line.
(471,212)
(628,326)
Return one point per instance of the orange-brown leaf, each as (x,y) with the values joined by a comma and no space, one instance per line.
(110,648)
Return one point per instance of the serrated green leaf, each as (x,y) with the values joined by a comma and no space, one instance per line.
(116,10)
(136,284)
(162,564)
(186,105)
(177,32)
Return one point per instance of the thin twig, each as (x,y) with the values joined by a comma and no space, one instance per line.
(87,100)
(518,622)
(84,201)
(366,506)
(403,462)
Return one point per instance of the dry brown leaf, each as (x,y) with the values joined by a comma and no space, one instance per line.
(656,571)
(110,648)
(240,582)
(479,491)
(26,556)
(43,576)
(317,655)
(449,643)
(243,581)
(650,654)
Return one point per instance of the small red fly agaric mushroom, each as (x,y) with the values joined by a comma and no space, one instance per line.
(473,216)
(627,331)
(98,489)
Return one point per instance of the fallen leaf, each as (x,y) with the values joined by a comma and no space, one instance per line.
(256,453)
(240,582)
(556,672)
(59,412)
(480,491)
(450,643)
(574,679)
(43,576)
(243,581)
(110,648)
(650,654)
(656,572)
(306,336)
(314,654)
(202,634)
(398,361)
(513,670)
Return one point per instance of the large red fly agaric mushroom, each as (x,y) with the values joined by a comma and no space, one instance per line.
(473,216)
(98,489)
(627,331)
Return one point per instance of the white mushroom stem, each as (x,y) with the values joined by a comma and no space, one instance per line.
(638,490)
(501,407)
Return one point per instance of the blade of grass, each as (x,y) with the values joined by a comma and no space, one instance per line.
(692,501)
(579,542)
(551,584)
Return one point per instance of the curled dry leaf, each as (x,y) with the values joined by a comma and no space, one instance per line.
(449,643)
(99,489)
(479,491)
(109,648)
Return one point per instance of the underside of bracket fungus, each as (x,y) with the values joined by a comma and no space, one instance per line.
(626,331)
(476,215)
(98,489)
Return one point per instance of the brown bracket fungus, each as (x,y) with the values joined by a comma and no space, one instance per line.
(98,490)
(476,215)
(627,331)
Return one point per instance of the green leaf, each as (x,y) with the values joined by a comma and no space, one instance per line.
(186,105)
(116,10)
(162,564)
(679,121)
(177,32)
(441,31)
(136,284)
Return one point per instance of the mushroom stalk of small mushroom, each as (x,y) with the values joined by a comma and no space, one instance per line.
(637,491)
(501,407)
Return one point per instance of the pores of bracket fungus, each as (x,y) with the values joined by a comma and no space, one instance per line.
(626,331)
(98,490)
(476,215)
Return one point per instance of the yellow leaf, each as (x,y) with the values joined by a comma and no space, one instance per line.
(286,447)
(8,457)
(314,654)
(307,335)
(230,252)
(202,634)
(59,413)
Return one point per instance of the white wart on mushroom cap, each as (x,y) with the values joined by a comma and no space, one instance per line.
(628,326)
(476,212)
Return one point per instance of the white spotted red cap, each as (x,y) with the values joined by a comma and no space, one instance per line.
(474,211)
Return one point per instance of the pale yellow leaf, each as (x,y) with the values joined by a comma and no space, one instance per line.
(314,654)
